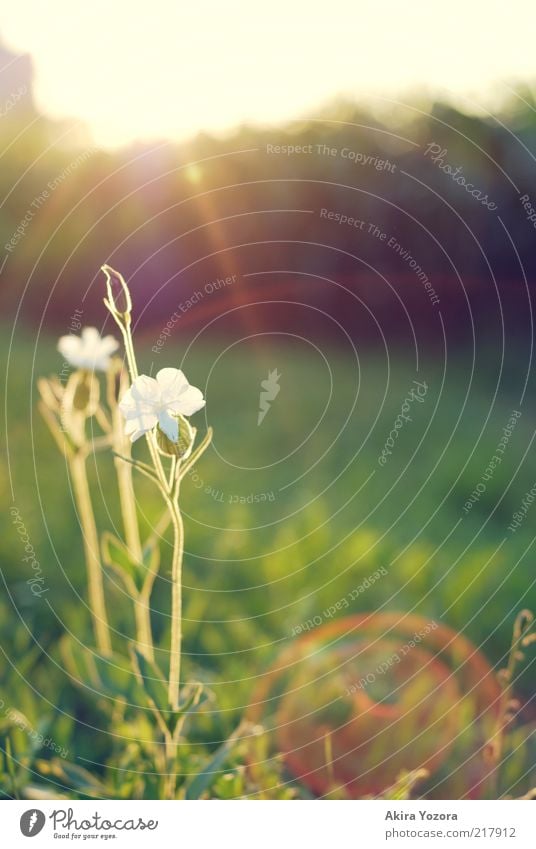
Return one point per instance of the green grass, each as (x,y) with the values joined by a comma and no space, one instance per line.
(254,568)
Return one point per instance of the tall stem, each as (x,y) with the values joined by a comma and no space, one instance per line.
(178,532)
(144,634)
(142,609)
(133,369)
(129,514)
(127,501)
(170,492)
(176,605)
(91,549)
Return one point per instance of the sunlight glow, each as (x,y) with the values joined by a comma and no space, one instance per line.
(170,69)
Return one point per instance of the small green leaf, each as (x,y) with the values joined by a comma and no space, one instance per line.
(151,679)
(151,560)
(39,791)
(109,675)
(14,719)
(116,556)
(74,777)
(195,696)
(404,784)
(204,780)
(10,768)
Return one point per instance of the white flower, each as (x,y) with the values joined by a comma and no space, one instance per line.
(89,351)
(149,402)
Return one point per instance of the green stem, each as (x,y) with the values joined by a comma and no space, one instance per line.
(164,521)
(170,782)
(133,369)
(91,549)
(196,454)
(128,508)
(144,634)
(178,534)
(176,604)
(123,321)
(142,609)
(170,492)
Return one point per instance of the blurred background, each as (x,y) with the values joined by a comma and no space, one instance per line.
(341,202)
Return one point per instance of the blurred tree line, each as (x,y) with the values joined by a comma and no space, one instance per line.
(174,217)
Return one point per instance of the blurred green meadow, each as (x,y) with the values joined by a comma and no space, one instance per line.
(283,521)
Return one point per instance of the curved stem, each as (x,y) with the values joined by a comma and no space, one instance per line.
(196,454)
(522,626)
(102,419)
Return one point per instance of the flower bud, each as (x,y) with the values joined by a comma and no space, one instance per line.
(118,310)
(82,393)
(183,447)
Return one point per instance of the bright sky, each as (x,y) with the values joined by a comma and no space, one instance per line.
(167,68)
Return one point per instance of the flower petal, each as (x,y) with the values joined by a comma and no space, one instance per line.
(136,435)
(69,345)
(128,405)
(132,406)
(146,389)
(168,376)
(91,335)
(169,425)
(108,344)
(189,402)
(88,351)
(172,382)
(142,423)
(100,363)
